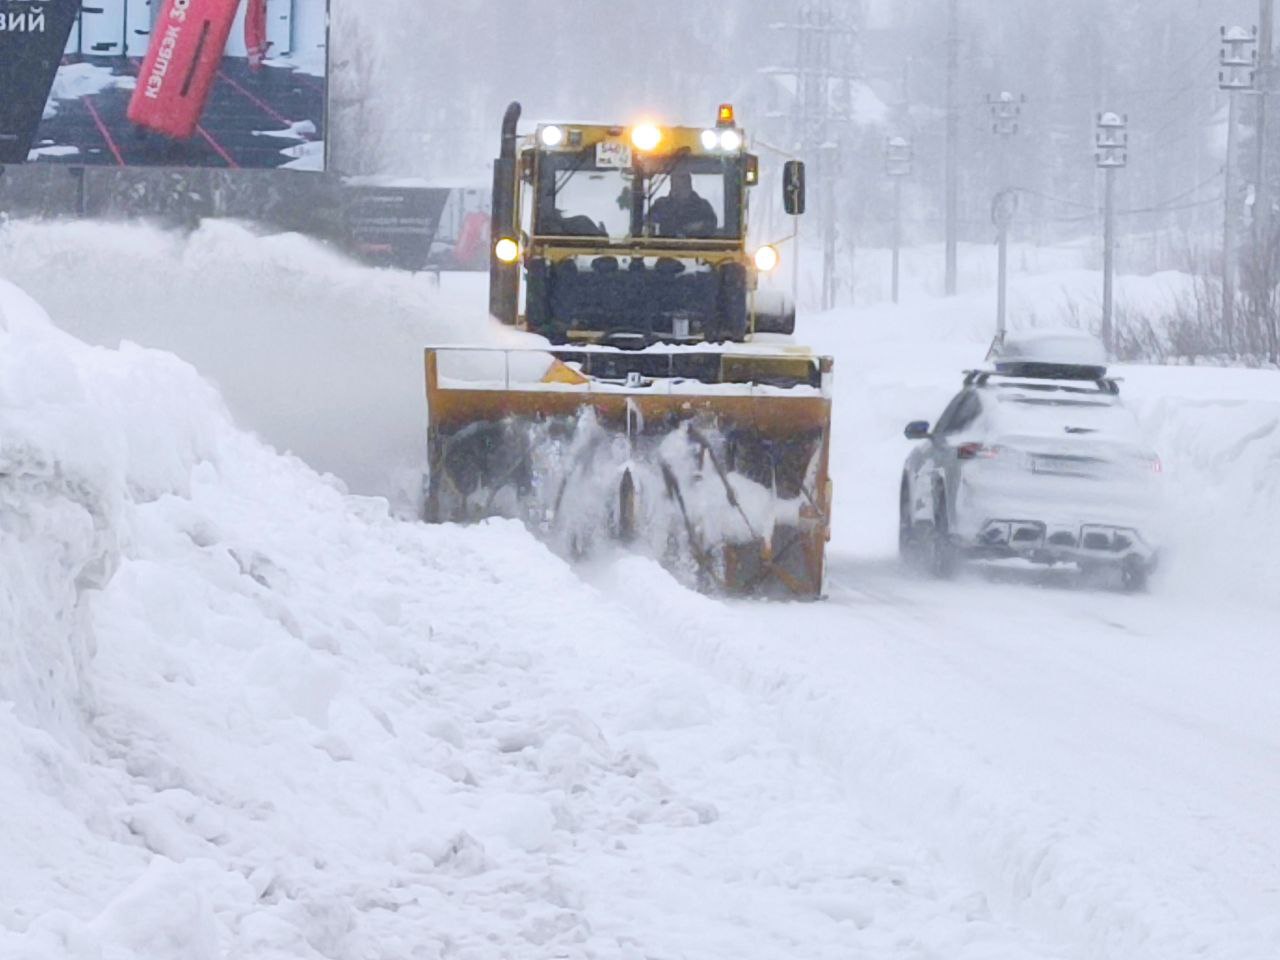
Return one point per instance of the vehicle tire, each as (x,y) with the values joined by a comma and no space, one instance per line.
(943,559)
(908,550)
(1135,575)
(732,304)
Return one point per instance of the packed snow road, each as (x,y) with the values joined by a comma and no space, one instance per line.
(1102,767)
(247,714)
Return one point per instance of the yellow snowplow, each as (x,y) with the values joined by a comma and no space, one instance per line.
(666,410)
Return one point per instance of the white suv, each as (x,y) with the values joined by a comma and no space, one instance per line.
(1035,458)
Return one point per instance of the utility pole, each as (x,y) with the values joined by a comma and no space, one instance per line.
(822,111)
(1112,155)
(829,166)
(1006,115)
(953,143)
(1262,193)
(1239,60)
(897,164)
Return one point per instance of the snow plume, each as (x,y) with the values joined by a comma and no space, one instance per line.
(320,356)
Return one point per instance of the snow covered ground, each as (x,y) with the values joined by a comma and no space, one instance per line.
(245,713)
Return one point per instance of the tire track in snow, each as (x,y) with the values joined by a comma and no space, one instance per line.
(840,681)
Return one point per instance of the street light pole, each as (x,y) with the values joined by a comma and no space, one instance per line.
(1109,262)
(1006,113)
(1003,208)
(1006,120)
(1112,155)
(897,164)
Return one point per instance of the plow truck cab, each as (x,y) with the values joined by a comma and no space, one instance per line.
(663,406)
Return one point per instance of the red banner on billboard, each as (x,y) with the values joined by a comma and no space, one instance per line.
(181,65)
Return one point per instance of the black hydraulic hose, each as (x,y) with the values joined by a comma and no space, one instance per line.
(504,278)
(509,121)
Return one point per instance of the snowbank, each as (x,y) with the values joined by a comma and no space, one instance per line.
(65,482)
(1219,434)
(80,445)
(237,703)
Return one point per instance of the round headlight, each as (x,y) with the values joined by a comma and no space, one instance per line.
(646,137)
(507,250)
(710,139)
(552,136)
(730,140)
(767,259)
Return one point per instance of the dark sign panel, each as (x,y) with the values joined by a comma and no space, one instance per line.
(223,84)
(32,37)
(393,226)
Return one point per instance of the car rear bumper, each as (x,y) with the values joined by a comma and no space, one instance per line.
(1041,542)
(1057,519)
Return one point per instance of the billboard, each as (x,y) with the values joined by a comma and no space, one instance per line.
(223,84)
(393,226)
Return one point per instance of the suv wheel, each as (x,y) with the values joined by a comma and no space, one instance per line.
(907,546)
(1134,575)
(943,558)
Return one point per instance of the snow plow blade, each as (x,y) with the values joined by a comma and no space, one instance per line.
(712,462)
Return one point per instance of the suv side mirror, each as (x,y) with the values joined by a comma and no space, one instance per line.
(793,187)
(917,430)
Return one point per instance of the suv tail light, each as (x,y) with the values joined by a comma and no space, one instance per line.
(976,451)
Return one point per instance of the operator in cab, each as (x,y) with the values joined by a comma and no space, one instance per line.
(557,223)
(682,213)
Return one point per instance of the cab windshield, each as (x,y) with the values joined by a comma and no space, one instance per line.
(677,198)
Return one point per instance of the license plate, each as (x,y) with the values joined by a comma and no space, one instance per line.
(1063,468)
(613,154)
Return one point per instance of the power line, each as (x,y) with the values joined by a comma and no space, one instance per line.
(1045,196)
(1197,188)
(1138,211)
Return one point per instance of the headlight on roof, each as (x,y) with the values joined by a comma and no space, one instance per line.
(552,136)
(710,139)
(646,137)
(730,140)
